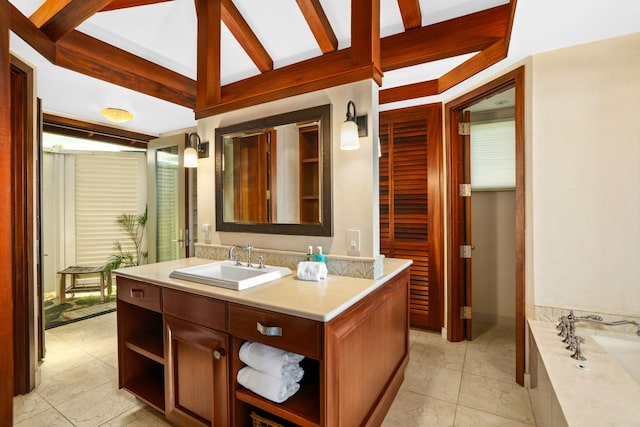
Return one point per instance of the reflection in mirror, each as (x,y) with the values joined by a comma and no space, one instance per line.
(273,174)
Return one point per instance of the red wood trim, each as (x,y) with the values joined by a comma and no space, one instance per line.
(208,83)
(87,55)
(411,91)
(245,36)
(80,128)
(411,15)
(6,229)
(466,34)
(453,111)
(70,16)
(123,4)
(319,24)
(27,31)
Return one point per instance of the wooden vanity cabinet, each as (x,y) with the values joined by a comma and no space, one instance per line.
(179,353)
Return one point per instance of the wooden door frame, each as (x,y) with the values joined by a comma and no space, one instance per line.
(455,282)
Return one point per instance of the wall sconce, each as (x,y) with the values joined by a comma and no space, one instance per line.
(352,129)
(194,150)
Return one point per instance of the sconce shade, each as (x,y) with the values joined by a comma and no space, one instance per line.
(349,139)
(349,136)
(190,157)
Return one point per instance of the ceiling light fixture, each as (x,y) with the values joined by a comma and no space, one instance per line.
(194,150)
(116,115)
(352,129)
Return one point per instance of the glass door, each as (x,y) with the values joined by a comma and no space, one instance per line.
(168,232)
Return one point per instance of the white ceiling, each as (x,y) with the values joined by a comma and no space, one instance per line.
(165,33)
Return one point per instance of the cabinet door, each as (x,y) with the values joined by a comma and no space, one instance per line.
(196,374)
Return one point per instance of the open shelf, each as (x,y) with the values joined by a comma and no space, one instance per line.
(147,345)
(149,389)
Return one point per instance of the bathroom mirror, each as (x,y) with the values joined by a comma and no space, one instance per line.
(273,175)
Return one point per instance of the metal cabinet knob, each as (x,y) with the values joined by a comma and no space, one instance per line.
(218,354)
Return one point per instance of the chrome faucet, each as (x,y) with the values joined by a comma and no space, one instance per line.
(248,248)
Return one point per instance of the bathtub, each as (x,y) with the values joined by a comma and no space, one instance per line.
(597,392)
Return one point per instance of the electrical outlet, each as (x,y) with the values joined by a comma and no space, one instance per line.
(353,242)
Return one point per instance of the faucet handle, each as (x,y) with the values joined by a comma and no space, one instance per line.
(577,354)
(237,259)
(261,261)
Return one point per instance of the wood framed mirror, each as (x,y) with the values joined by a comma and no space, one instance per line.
(273,175)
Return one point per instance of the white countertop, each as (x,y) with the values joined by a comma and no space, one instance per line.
(320,301)
(605,395)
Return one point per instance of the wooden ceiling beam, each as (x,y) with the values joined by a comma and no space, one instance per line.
(319,24)
(365,36)
(411,14)
(209,27)
(245,36)
(30,33)
(472,66)
(469,33)
(46,11)
(87,55)
(123,4)
(70,16)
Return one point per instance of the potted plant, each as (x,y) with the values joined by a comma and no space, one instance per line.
(133,225)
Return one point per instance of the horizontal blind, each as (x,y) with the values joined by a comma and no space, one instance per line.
(493,155)
(106,186)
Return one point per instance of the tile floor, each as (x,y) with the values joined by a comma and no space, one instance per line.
(446,384)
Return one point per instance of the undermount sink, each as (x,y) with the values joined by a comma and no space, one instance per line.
(226,274)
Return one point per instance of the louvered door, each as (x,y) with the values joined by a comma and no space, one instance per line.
(411,204)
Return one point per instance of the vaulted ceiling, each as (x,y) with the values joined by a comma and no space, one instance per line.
(211,56)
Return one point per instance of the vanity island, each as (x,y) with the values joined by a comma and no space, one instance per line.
(178,344)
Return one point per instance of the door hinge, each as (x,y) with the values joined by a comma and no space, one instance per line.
(464,128)
(465,312)
(465,251)
(465,190)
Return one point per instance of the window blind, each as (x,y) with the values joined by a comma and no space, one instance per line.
(105,187)
(493,156)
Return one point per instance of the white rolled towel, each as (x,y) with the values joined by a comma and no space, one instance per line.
(271,360)
(309,270)
(273,388)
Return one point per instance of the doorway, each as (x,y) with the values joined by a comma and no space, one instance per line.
(460,250)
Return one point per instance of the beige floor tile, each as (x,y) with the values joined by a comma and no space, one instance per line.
(141,416)
(468,417)
(440,383)
(416,410)
(501,366)
(97,406)
(27,406)
(431,349)
(70,383)
(48,418)
(503,398)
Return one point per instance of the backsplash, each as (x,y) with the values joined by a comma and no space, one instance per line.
(365,268)
(552,314)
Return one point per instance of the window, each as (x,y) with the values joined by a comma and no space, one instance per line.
(493,155)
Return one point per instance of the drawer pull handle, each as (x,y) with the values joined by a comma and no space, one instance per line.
(137,293)
(270,331)
(218,354)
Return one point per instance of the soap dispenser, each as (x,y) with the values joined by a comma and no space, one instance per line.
(310,256)
(319,255)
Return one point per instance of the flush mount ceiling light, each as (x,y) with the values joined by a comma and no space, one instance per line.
(116,115)
(194,151)
(352,129)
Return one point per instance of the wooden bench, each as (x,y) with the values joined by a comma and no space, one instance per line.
(75,287)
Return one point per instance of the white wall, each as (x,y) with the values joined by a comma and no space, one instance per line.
(586,176)
(354,173)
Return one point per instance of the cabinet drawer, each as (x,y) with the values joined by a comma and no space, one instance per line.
(139,293)
(297,335)
(204,311)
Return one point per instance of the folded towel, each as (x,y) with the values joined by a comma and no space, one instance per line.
(275,389)
(271,360)
(308,270)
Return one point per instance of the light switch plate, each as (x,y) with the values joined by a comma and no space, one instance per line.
(353,242)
